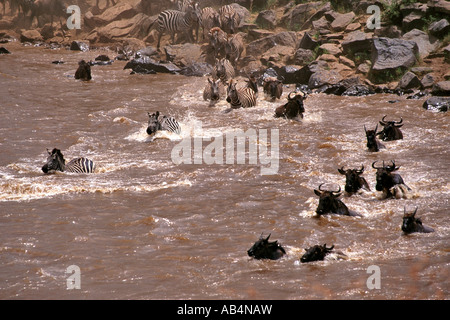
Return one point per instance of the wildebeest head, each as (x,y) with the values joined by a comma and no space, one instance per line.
(384,176)
(55,161)
(353,179)
(372,143)
(273,87)
(294,107)
(153,123)
(391,130)
(316,253)
(263,249)
(329,202)
(84,71)
(412,224)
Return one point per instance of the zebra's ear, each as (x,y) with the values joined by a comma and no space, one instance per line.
(157,114)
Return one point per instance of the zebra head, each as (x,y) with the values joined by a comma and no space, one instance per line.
(154,124)
(55,161)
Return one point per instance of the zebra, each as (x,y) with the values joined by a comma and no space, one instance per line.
(175,21)
(157,122)
(229,18)
(224,70)
(217,38)
(243,97)
(209,19)
(56,162)
(214,91)
(234,46)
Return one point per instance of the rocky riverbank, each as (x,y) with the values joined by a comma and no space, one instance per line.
(327,46)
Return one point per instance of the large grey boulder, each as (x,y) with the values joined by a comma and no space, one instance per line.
(425,43)
(389,54)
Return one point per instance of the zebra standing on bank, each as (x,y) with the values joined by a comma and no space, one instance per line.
(234,46)
(229,18)
(240,98)
(56,162)
(224,70)
(157,122)
(209,18)
(175,21)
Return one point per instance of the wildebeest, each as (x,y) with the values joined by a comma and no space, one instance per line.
(273,88)
(293,108)
(39,8)
(263,249)
(391,184)
(56,162)
(158,122)
(84,71)
(214,91)
(329,203)
(412,224)
(391,130)
(316,253)
(372,142)
(353,179)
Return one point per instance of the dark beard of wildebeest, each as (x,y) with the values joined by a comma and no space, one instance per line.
(329,203)
(391,130)
(372,142)
(353,180)
(412,224)
(316,253)
(293,108)
(386,179)
(84,71)
(263,249)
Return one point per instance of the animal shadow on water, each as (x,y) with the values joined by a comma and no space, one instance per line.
(263,249)
(412,224)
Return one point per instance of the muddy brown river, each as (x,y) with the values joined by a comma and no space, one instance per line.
(156,223)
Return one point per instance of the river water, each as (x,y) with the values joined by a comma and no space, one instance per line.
(146,226)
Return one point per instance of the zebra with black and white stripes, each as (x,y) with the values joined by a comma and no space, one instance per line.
(240,98)
(158,122)
(175,21)
(229,18)
(224,70)
(56,162)
(234,47)
(209,18)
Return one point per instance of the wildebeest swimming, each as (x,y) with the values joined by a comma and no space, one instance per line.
(391,130)
(158,122)
(412,224)
(56,162)
(316,253)
(273,88)
(84,71)
(390,183)
(293,108)
(263,249)
(353,180)
(373,144)
(329,203)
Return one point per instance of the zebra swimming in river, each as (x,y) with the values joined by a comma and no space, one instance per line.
(158,122)
(56,162)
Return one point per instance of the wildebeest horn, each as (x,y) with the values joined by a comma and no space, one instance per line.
(361,170)
(398,124)
(373,165)
(341,170)
(383,122)
(393,167)
(267,239)
(321,186)
(289,95)
(337,191)
(328,249)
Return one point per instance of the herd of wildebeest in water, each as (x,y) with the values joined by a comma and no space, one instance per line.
(227,47)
